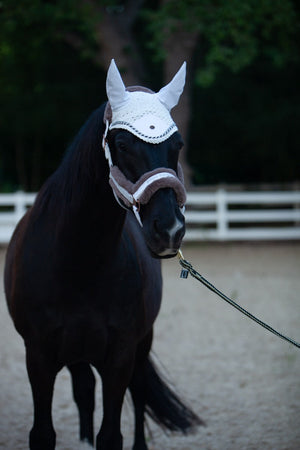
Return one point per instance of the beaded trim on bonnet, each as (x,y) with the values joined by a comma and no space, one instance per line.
(145,117)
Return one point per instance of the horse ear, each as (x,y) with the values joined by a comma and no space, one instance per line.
(115,89)
(169,95)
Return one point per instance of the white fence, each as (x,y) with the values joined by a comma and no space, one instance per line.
(216,216)
(12,208)
(228,216)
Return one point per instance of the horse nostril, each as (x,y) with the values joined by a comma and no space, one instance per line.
(156,228)
(179,235)
(160,231)
(176,232)
(169,234)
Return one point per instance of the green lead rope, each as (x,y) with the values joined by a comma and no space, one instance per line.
(188,268)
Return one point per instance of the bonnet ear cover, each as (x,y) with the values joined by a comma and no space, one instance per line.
(144,114)
(115,89)
(169,95)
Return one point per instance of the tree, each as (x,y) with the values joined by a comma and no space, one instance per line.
(149,41)
(245,127)
(213,35)
(36,81)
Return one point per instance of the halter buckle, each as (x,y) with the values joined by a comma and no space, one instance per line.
(137,204)
(136,212)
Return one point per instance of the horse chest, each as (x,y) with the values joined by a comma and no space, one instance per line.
(90,334)
(82,337)
(90,323)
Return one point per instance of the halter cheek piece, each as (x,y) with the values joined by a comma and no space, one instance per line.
(132,195)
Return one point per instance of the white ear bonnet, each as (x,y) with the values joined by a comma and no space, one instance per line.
(146,115)
(141,112)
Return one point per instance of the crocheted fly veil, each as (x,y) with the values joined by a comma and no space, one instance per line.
(145,114)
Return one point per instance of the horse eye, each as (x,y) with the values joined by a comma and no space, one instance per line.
(179,145)
(121,146)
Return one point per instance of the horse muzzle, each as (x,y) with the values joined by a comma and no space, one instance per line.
(157,200)
(164,224)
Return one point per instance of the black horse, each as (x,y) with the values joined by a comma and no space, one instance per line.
(83,287)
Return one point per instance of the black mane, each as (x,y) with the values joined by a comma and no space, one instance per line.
(81,172)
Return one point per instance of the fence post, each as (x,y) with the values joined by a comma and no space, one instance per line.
(20,206)
(222,226)
(297,209)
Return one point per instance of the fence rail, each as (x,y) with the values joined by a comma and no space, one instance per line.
(12,208)
(228,216)
(216,216)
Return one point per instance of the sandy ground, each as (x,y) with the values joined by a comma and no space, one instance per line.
(243,381)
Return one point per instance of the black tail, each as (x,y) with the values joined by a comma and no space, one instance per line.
(164,406)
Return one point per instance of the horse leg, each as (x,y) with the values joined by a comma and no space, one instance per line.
(139,401)
(115,380)
(83,382)
(42,377)
(137,388)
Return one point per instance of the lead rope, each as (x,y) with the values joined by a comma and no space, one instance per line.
(188,268)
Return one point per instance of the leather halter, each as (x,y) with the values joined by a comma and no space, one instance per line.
(131,195)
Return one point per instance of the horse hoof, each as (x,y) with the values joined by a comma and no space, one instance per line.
(39,440)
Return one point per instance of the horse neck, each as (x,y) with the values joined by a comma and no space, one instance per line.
(80,195)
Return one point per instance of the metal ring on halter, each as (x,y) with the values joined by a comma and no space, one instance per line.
(137,204)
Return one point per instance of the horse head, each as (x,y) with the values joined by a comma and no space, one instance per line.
(142,144)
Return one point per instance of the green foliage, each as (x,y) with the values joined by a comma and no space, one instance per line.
(245,128)
(41,80)
(233,33)
(49,80)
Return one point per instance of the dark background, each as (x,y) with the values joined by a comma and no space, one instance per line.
(240,110)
